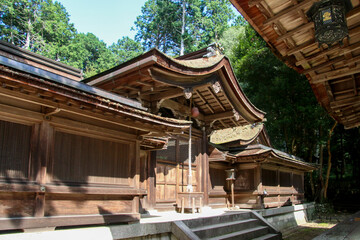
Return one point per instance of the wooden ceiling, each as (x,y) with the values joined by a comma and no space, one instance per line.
(158,82)
(333,72)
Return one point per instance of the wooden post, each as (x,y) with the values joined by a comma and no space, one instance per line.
(232,195)
(151,180)
(201,204)
(182,204)
(45,142)
(278,187)
(193,205)
(205,168)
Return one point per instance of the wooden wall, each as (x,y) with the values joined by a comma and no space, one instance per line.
(284,186)
(171,171)
(55,167)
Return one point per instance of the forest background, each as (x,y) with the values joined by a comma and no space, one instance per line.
(295,122)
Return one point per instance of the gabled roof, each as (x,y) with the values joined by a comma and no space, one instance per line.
(36,81)
(261,153)
(250,144)
(158,80)
(333,72)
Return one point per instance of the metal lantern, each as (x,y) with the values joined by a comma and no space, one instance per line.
(330,21)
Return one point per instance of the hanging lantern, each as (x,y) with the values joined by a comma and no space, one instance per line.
(195,112)
(330,21)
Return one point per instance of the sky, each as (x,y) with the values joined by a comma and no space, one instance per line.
(109,20)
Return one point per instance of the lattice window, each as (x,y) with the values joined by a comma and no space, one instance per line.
(245,179)
(285,179)
(168,154)
(269,177)
(298,183)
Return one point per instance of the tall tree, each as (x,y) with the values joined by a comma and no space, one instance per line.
(293,115)
(179,26)
(88,53)
(157,25)
(38,25)
(126,49)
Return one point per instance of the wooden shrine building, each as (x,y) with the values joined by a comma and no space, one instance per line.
(105,149)
(264,176)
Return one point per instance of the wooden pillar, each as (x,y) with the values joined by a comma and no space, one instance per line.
(178,169)
(205,168)
(44,144)
(258,183)
(151,180)
(278,187)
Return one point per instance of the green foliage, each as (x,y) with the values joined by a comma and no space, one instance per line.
(41,26)
(161,22)
(293,115)
(126,49)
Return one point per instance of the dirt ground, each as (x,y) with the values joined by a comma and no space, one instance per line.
(306,231)
(312,229)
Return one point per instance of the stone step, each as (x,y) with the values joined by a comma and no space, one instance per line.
(224,228)
(269,236)
(244,234)
(229,217)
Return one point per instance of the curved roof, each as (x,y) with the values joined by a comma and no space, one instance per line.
(260,152)
(157,78)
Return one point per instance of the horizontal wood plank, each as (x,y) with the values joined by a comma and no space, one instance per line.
(74,220)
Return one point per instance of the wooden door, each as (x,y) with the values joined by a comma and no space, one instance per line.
(165,182)
(166,174)
(172,170)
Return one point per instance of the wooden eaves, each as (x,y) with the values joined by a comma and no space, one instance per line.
(333,72)
(158,80)
(30,83)
(262,153)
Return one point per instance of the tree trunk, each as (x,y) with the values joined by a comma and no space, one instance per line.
(182,45)
(321,180)
(28,33)
(310,173)
(329,161)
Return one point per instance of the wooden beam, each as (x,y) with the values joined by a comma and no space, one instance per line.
(178,107)
(204,101)
(219,116)
(71,220)
(329,91)
(345,102)
(335,74)
(254,2)
(288,11)
(302,28)
(301,47)
(330,51)
(116,119)
(325,64)
(216,98)
(354,85)
(177,92)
